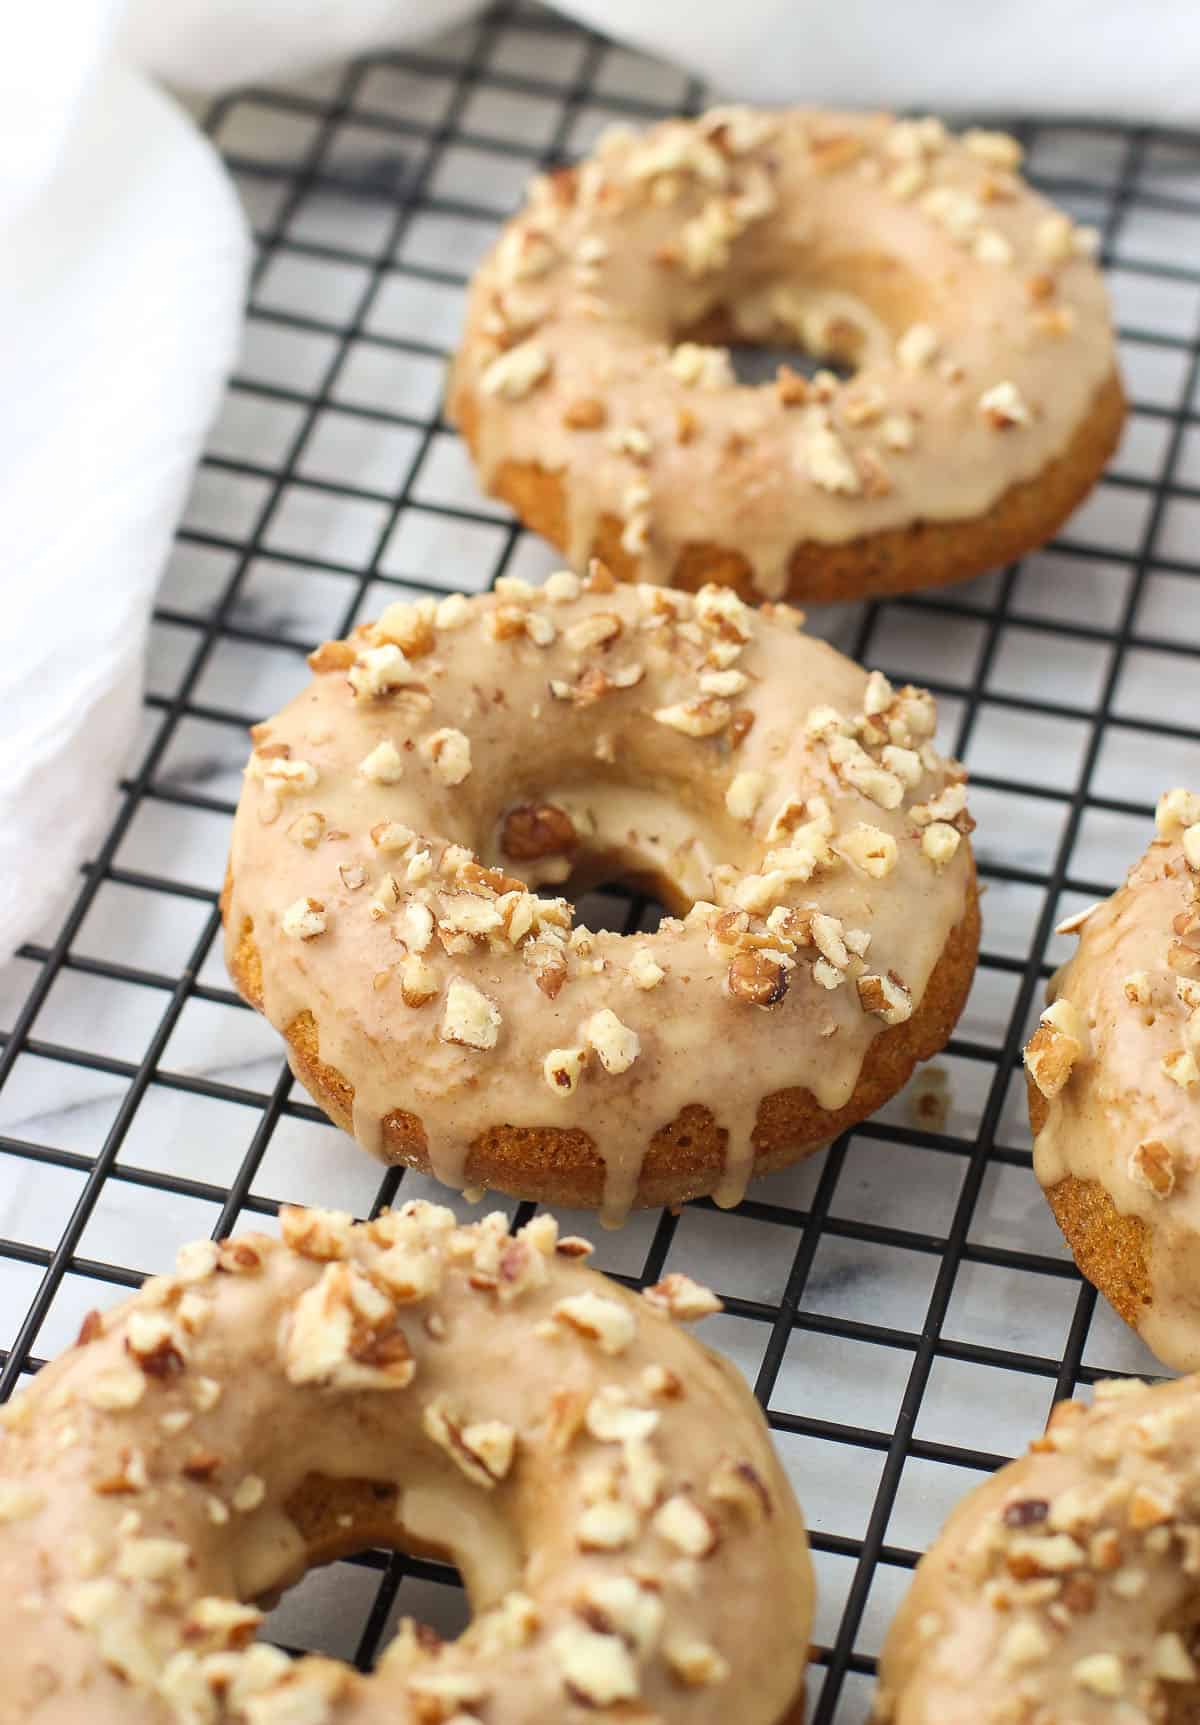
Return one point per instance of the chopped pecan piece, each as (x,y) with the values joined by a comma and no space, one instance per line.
(535,830)
(585,414)
(757,979)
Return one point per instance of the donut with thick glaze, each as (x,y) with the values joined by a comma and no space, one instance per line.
(453,756)
(1064,1590)
(1113,1075)
(984,401)
(607,1486)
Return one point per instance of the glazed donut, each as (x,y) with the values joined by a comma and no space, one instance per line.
(1063,1590)
(984,404)
(1114,1091)
(790,809)
(605,1484)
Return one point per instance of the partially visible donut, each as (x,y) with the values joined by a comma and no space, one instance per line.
(984,404)
(1066,1589)
(445,760)
(630,1545)
(1114,1091)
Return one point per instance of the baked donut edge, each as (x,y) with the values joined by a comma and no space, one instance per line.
(685,1158)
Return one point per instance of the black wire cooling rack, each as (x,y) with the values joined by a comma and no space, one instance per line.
(902,1304)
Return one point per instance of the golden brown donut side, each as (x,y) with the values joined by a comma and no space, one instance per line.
(605,1484)
(893,560)
(1109,1248)
(1114,1091)
(685,1158)
(1066,1586)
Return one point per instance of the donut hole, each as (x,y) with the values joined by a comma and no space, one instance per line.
(622,905)
(623,853)
(758,348)
(756,364)
(614,894)
(813,313)
(338,1519)
(628,888)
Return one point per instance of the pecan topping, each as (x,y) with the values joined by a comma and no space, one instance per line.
(791,387)
(757,979)
(483,1451)
(535,830)
(201,1464)
(740,726)
(1026,1512)
(585,414)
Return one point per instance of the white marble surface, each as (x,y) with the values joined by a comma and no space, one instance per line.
(303,583)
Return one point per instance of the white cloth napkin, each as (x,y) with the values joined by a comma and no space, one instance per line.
(122,258)
(120,293)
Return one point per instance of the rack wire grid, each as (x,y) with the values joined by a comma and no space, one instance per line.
(902,1305)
